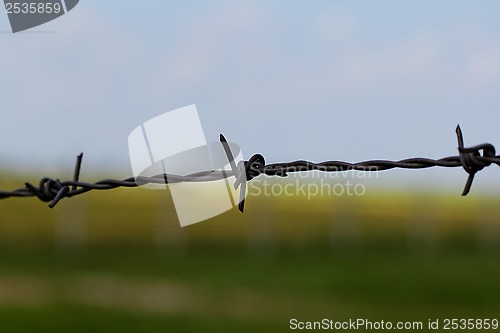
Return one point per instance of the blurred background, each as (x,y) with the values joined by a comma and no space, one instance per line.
(292,80)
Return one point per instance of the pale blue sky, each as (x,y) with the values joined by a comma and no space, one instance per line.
(304,79)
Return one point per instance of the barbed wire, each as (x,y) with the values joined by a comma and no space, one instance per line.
(53,190)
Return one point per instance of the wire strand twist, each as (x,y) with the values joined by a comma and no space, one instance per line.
(472,160)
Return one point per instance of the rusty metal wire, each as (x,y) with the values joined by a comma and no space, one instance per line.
(52,191)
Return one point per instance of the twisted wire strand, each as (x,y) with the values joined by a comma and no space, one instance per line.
(472,160)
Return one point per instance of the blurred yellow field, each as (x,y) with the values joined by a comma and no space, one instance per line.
(119,262)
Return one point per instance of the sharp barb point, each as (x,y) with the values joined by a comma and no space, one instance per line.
(472,159)
(76,174)
(241,206)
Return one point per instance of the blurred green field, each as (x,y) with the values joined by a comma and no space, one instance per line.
(119,262)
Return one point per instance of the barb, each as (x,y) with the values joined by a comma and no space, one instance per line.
(53,191)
